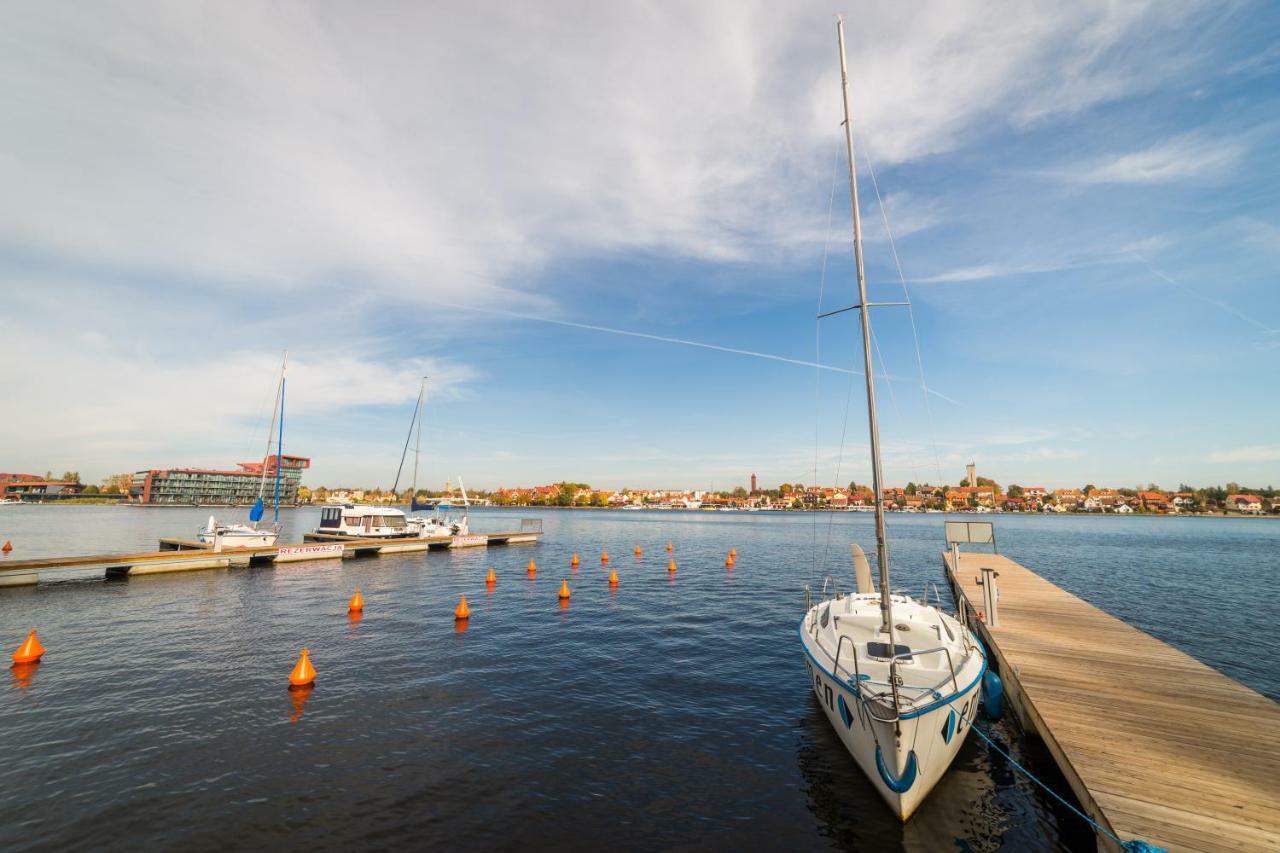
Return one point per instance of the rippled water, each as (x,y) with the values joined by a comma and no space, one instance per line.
(672,713)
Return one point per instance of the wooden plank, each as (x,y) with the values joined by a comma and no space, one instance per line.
(1160,745)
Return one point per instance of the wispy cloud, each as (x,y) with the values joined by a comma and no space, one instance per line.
(1197,155)
(1217,303)
(983,272)
(1253,453)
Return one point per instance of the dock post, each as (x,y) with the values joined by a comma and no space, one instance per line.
(990,597)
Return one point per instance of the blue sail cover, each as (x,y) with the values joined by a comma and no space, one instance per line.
(255,514)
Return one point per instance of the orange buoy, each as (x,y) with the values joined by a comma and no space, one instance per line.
(574,561)
(564,589)
(671,566)
(356,604)
(728,561)
(8,546)
(30,651)
(462,611)
(304,674)
(733,552)
(668,547)
(638,552)
(613,578)
(533,568)
(604,556)
(490,578)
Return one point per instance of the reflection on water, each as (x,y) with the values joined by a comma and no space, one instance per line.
(670,711)
(23,673)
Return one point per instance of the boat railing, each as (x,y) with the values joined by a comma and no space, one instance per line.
(893,665)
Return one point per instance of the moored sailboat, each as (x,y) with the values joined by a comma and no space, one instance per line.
(897,678)
(253,535)
(438,524)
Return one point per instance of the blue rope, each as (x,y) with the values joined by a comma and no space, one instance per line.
(1134,846)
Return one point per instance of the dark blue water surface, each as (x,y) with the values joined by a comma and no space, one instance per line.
(670,713)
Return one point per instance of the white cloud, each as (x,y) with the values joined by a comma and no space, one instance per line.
(1185,157)
(223,155)
(131,386)
(458,150)
(983,272)
(1254,453)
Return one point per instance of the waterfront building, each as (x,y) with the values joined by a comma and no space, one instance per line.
(1245,503)
(35,487)
(211,486)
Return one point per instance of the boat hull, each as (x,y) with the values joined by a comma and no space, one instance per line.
(903,765)
(263,539)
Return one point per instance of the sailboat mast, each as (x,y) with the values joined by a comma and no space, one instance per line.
(284,370)
(417,444)
(271,430)
(882,547)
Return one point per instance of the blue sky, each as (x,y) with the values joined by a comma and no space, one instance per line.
(1084,199)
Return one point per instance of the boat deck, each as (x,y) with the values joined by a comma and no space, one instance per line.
(1155,744)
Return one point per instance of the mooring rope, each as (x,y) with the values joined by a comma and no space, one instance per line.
(1135,845)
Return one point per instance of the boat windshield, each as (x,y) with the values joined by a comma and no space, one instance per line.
(390,521)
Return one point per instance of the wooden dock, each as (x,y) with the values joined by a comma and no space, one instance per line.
(185,555)
(1155,745)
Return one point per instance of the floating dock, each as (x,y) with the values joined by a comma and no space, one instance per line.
(185,555)
(1155,745)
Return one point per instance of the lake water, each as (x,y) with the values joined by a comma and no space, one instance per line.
(670,713)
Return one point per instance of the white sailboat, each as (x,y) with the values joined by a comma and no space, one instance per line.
(897,678)
(438,524)
(223,535)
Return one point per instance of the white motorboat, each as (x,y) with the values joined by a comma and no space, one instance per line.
(366,522)
(223,535)
(897,678)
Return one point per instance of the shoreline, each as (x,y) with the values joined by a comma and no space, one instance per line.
(532,507)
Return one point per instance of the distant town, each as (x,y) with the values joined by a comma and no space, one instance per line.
(973,493)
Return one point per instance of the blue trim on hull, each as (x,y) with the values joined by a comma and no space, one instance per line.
(844,711)
(898,786)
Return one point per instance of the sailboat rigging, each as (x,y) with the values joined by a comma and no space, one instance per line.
(429,525)
(239,535)
(896,678)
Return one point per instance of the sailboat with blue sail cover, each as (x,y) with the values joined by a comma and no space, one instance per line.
(254,534)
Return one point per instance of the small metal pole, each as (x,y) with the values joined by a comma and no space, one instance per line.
(990,597)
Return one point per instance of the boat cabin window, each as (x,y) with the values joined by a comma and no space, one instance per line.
(390,521)
(881,651)
(330,516)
